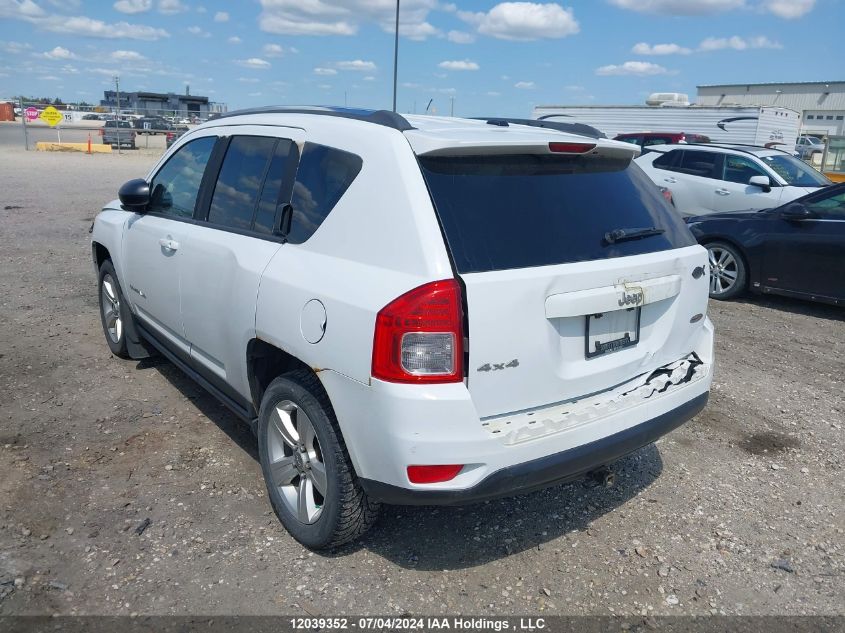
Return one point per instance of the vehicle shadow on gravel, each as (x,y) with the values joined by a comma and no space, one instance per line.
(437,538)
(208,405)
(795,306)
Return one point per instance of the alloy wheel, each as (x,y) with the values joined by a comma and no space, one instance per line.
(297,468)
(111,309)
(724,270)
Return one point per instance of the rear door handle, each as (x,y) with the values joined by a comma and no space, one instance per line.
(168,244)
(723,192)
(673,180)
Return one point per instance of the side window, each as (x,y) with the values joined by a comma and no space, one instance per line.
(669,160)
(323,177)
(656,141)
(830,208)
(269,203)
(704,164)
(239,181)
(634,140)
(740,169)
(175,187)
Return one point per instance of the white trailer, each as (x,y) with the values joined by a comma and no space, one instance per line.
(750,125)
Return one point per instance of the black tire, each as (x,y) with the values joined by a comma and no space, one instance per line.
(117,344)
(728,272)
(346,511)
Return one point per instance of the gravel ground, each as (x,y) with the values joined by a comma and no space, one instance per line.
(739,512)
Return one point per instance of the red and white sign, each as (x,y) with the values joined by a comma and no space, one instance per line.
(31,113)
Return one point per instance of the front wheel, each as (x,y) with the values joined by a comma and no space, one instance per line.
(728,276)
(113,310)
(311,483)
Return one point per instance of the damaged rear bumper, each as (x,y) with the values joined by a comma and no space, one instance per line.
(546,471)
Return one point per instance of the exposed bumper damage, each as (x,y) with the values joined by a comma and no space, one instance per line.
(529,425)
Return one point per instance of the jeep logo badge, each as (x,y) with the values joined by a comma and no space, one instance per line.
(631,298)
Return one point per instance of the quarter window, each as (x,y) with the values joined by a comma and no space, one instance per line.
(271,200)
(669,160)
(324,175)
(176,185)
(239,183)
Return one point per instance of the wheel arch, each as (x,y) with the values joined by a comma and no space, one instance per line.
(265,362)
(99,253)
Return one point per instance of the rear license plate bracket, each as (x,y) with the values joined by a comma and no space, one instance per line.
(608,332)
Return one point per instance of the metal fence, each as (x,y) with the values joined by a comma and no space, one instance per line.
(99,125)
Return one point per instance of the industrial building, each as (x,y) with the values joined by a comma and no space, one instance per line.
(169,104)
(821,103)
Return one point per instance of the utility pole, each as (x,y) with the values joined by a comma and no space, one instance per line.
(23,121)
(396,56)
(117,116)
(452,106)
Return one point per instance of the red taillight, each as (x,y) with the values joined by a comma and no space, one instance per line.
(571,148)
(433,474)
(419,336)
(169,136)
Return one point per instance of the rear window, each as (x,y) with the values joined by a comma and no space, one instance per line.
(506,212)
(118,124)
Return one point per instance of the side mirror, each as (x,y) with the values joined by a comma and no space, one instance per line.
(134,195)
(761,181)
(796,212)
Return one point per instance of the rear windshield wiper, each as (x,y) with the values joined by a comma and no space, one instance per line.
(624,235)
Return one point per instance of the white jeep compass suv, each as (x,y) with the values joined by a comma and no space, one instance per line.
(410,310)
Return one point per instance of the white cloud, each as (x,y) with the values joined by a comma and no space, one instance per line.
(248,80)
(195,30)
(680,7)
(325,71)
(254,62)
(789,9)
(524,21)
(221,16)
(660,49)
(493,93)
(272,50)
(737,43)
(369,78)
(234,40)
(170,7)
(133,6)
(356,64)
(524,85)
(639,69)
(29,11)
(15,47)
(460,37)
(88,27)
(127,56)
(59,53)
(459,65)
(254,94)
(345,17)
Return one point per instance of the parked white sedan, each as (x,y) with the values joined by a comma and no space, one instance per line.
(715,177)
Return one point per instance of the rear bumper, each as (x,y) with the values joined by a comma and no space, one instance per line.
(545,471)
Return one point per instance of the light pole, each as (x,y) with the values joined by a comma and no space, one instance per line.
(117,115)
(396,56)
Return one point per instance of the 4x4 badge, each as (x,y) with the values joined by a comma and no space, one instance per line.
(498,366)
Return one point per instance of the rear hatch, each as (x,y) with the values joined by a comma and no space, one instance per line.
(578,276)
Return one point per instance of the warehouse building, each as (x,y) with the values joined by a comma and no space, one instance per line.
(152,103)
(821,103)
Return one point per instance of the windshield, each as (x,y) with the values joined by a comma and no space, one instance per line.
(795,172)
(520,211)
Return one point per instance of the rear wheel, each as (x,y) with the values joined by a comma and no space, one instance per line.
(311,483)
(728,276)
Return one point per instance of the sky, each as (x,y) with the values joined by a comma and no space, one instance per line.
(482,58)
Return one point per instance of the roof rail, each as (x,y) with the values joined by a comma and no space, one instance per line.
(737,146)
(579,129)
(379,117)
